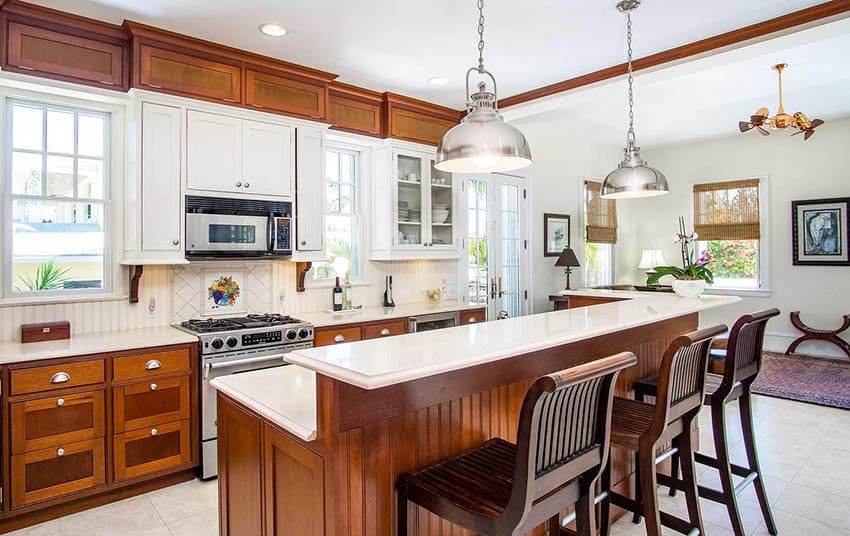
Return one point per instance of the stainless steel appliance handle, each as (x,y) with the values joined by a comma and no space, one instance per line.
(209,367)
(271,231)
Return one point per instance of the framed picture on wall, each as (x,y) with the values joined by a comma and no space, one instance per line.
(556,234)
(820,232)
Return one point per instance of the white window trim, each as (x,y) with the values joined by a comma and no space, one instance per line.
(583,239)
(763,291)
(360,190)
(115,286)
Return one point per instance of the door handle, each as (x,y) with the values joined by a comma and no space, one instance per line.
(492,288)
(500,287)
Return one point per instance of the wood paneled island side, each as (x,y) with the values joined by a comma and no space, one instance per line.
(294,464)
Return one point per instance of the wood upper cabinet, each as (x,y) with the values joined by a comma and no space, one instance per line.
(188,74)
(289,466)
(310,192)
(418,121)
(284,94)
(240,471)
(354,109)
(65,56)
(52,472)
(56,421)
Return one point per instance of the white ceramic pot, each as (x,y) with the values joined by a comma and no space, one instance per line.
(439,216)
(688,288)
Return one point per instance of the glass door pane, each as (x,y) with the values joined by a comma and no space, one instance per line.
(409,198)
(508,284)
(442,208)
(477,244)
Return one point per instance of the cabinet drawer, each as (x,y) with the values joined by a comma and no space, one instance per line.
(281,94)
(151,449)
(473,317)
(65,56)
(189,75)
(147,404)
(136,367)
(52,472)
(385,329)
(56,421)
(39,379)
(326,337)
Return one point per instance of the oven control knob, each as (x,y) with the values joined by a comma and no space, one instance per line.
(232,342)
(291,334)
(217,343)
(303,333)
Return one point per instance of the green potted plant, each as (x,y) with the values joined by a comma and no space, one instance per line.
(689,280)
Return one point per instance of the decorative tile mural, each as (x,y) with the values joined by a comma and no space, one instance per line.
(191,284)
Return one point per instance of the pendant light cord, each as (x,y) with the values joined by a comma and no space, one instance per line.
(480,35)
(630,137)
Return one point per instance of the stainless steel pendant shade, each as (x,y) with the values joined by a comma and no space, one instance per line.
(633,178)
(483,142)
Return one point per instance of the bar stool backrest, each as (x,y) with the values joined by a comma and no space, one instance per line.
(744,349)
(681,378)
(563,432)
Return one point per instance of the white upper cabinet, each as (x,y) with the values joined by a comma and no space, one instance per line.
(310,194)
(266,159)
(231,155)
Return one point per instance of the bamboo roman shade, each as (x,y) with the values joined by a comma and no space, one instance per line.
(600,215)
(727,210)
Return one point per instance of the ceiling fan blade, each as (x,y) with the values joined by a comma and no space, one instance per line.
(799,132)
(763,132)
(809,134)
(817,122)
(744,126)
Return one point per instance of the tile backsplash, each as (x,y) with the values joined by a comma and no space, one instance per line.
(173,294)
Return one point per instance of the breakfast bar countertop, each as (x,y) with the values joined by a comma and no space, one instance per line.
(93,343)
(378,363)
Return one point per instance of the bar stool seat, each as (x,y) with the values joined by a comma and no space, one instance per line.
(475,485)
(649,387)
(630,420)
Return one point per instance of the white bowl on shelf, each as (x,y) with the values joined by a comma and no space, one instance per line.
(439,215)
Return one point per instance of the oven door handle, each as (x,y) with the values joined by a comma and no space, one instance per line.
(209,367)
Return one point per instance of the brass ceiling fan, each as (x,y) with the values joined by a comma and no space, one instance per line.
(782,120)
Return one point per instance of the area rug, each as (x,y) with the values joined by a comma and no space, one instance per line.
(807,379)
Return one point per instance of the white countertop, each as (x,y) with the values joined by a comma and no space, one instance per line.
(381,362)
(374,314)
(93,343)
(286,396)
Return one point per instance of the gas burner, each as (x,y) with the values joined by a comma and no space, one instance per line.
(209,325)
(253,321)
(274,319)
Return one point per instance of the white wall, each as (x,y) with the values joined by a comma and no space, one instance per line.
(564,153)
(817,168)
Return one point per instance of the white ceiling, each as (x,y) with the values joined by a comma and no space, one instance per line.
(397,45)
(707,97)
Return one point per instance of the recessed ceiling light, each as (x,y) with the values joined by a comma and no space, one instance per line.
(439,80)
(274,30)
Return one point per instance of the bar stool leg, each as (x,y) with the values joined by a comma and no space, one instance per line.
(648,486)
(689,474)
(401,513)
(586,512)
(718,423)
(674,472)
(746,409)
(605,505)
(553,526)
(638,488)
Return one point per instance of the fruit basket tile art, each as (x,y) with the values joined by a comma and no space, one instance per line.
(223,292)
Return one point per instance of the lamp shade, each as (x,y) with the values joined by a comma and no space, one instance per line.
(567,258)
(633,178)
(650,258)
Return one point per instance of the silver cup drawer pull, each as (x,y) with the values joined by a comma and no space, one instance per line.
(60,377)
(339,338)
(153,364)
(385,332)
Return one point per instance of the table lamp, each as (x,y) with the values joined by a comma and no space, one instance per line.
(568,260)
(649,259)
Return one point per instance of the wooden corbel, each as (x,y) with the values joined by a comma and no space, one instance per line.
(135,277)
(301,269)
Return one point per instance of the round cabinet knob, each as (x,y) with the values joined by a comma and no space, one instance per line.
(303,242)
(60,402)
(339,338)
(60,452)
(176,242)
(247,185)
(153,431)
(153,387)
(239,184)
(472,320)
(385,332)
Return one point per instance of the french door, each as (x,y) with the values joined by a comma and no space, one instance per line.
(496,267)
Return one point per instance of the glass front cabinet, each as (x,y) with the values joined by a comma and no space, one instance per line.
(415,206)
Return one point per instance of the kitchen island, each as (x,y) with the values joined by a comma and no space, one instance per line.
(328,464)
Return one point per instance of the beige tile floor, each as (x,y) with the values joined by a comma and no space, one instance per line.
(805,453)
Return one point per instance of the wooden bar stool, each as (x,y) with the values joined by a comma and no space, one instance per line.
(644,428)
(740,369)
(506,489)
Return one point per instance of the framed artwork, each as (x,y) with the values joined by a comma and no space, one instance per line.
(556,234)
(820,232)
(222,292)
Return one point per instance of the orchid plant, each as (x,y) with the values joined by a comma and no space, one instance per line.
(692,269)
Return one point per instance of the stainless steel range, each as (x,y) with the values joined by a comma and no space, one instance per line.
(236,345)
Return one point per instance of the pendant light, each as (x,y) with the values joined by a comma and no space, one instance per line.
(633,178)
(482,142)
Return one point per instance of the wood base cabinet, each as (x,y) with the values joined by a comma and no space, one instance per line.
(151,450)
(52,422)
(53,472)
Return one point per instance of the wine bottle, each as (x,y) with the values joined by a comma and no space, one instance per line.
(337,295)
(346,294)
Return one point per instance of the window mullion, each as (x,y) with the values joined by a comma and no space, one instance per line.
(44,151)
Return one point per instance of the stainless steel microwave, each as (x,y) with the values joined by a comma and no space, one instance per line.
(227,228)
